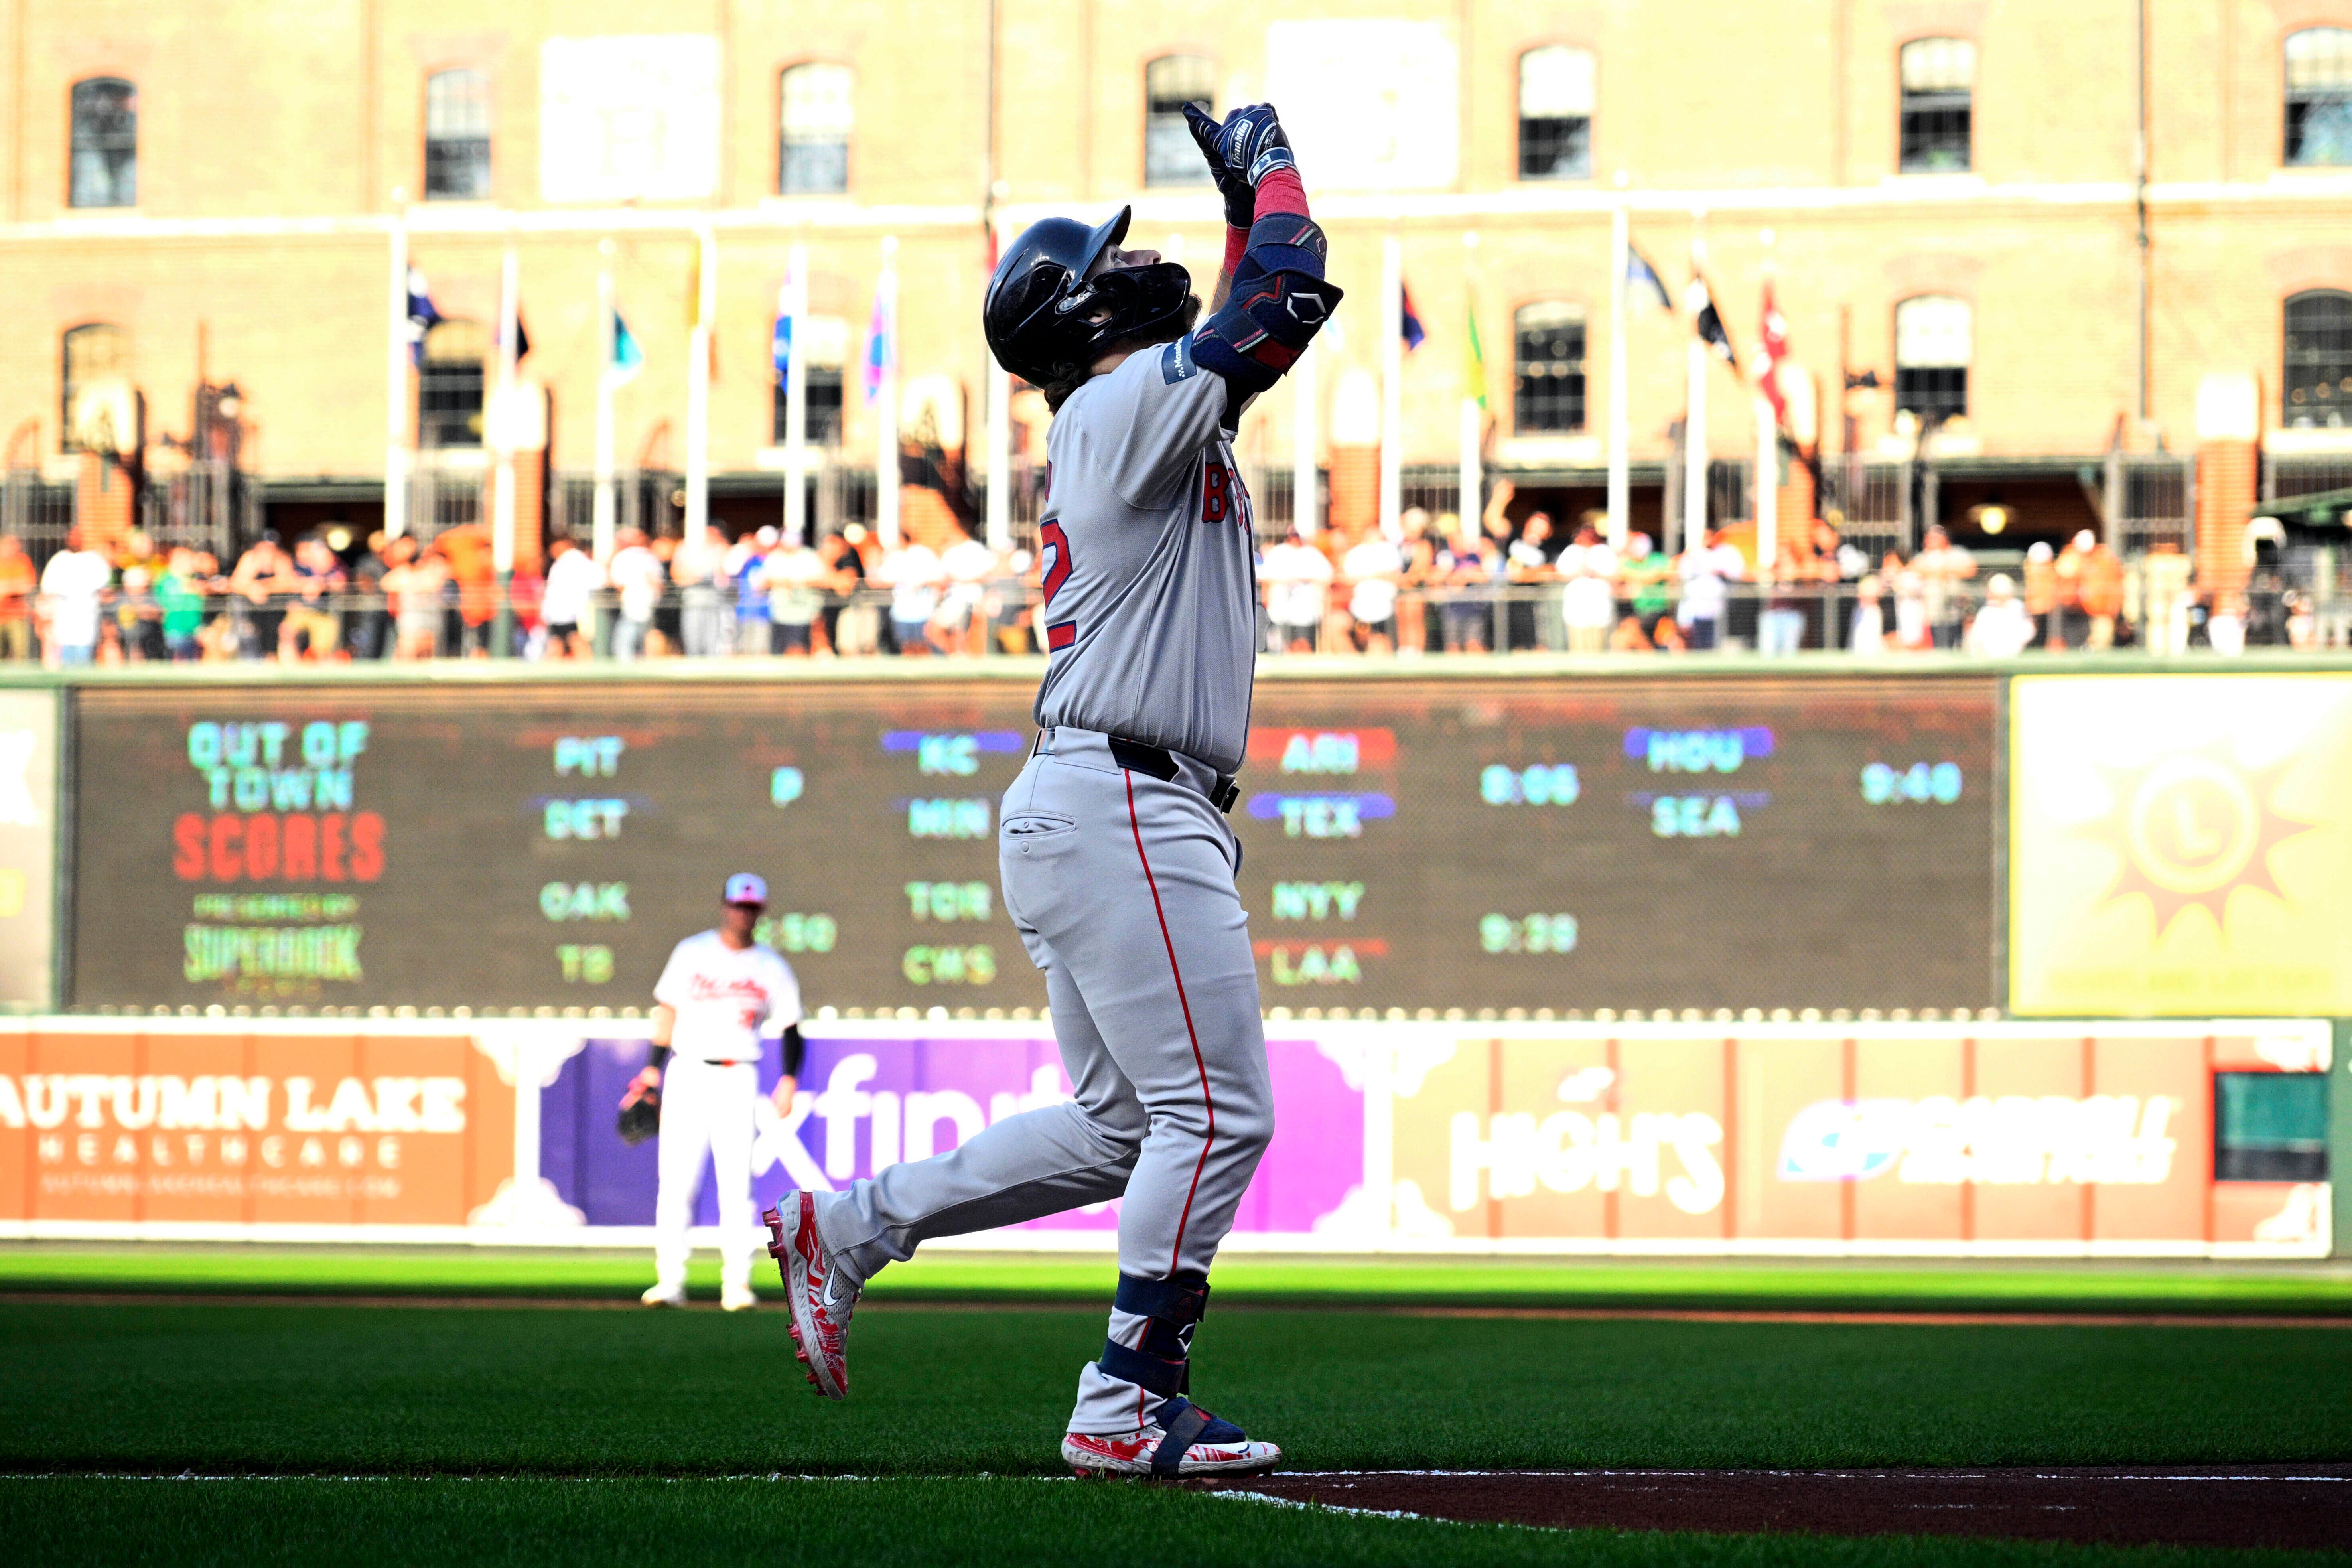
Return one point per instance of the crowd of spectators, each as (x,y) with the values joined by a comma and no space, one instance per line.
(1442,584)
(1495,584)
(402,599)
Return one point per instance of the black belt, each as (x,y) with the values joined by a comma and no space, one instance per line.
(1161,764)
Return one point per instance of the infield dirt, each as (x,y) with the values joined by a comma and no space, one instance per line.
(2290,1506)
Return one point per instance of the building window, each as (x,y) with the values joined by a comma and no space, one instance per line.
(105,170)
(95,353)
(1933,337)
(2319,96)
(449,384)
(2318,379)
(1171,156)
(1547,396)
(457,136)
(828,348)
(824,406)
(1939,76)
(1556,114)
(816,116)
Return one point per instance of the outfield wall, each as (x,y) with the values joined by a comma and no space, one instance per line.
(1830,845)
(1931,841)
(1989,1139)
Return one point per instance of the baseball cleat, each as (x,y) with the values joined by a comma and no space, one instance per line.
(1180,1439)
(818,1295)
(737,1298)
(664,1296)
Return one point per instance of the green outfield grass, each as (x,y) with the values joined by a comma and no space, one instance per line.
(597,1435)
(2189,1288)
(1012,1523)
(946,1392)
(603,1400)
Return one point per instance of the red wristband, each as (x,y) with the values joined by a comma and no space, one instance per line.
(1236,245)
(1280,192)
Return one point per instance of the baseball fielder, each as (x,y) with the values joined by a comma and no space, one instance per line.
(1116,860)
(720,998)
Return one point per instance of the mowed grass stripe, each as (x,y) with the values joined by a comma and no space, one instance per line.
(985,1523)
(1729,1285)
(343,1390)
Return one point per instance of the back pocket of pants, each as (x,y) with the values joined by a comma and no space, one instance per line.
(1037,824)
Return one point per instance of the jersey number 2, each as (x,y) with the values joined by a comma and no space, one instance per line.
(1061,634)
(1059,571)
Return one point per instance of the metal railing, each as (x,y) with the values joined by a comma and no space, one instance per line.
(1000,616)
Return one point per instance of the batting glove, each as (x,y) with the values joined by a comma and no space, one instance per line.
(1252,144)
(1241,202)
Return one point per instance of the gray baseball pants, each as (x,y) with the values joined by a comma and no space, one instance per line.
(1121,886)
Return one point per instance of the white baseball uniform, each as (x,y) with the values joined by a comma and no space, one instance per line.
(729,1003)
(1119,880)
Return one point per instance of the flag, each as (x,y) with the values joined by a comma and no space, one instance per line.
(789,303)
(1408,319)
(627,358)
(1775,348)
(523,336)
(1643,284)
(1710,324)
(880,352)
(423,317)
(1474,358)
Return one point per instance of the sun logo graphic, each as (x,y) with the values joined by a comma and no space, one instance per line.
(2191,828)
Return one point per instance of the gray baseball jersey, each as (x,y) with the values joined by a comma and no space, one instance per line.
(1150,577)
(1121,884)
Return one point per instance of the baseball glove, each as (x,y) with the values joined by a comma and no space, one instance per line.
(641,1118)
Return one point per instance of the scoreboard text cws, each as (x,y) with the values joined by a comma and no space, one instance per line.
(1643,842)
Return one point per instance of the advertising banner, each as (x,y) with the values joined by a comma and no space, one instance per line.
(28,849)
(197,1128)
(2181,844)
(873,1095)
(1939,1140)
(1962,1140)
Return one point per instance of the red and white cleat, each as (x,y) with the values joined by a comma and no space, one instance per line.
(818,1295)
(1181,1439)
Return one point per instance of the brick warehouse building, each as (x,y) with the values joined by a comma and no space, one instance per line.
(1974,207)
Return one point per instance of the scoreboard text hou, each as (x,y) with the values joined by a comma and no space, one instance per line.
(1619,843)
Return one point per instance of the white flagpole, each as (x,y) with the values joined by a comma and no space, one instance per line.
(1000,457)
(395,385)
(999,517)
(1621,249)
(1305,508)
(1694,519)
(1470,427)
(796,396)
(502,516)
(886,423)
(601,543)
(1391,384)
(698,404)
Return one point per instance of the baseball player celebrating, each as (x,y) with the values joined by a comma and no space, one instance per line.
(1116,860)
(719,997)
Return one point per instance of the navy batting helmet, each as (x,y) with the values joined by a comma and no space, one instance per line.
(1046,319)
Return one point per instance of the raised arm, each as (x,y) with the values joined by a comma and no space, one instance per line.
(1241,201)
(1273,298)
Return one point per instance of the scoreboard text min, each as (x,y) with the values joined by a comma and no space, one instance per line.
(1599,842)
